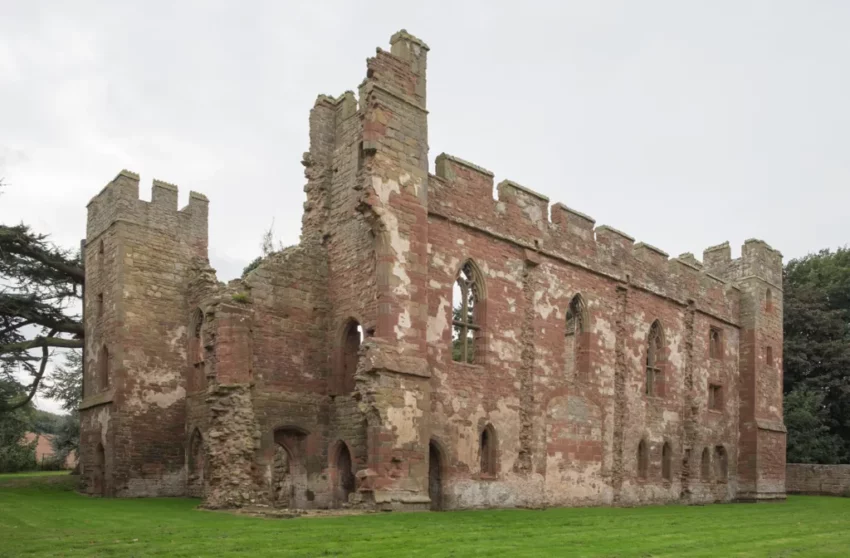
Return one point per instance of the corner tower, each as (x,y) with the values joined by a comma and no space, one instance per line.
(761,432)
(132,419)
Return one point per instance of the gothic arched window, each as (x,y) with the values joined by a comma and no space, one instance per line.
(466,315)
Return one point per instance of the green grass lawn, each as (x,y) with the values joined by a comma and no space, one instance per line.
(28,474)
(45,517)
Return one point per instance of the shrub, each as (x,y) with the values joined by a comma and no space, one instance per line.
(240,297)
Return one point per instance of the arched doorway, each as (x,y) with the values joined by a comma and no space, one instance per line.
(435,478)
(282,486)
(344,474)
(99,471)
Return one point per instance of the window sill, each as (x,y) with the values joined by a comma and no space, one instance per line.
(474,366)
(97,399)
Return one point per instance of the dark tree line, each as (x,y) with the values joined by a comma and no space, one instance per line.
(817,357)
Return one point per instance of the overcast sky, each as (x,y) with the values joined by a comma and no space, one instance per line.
(681,123)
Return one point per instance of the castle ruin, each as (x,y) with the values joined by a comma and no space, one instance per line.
(425,345)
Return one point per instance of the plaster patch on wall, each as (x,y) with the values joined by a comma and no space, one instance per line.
(176,341)
(543,308)
(403,324)
(514,274)
(448,267)
(438,324)
(399,245)
(670,416)
(164,400)
(404,421)
(605,334)
(102,418)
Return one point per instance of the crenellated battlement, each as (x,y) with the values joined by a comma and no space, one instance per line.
(119,201)
(463,192)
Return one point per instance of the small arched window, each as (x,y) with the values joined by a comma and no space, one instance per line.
(352,336)
(654,354)
(575,339)
(466,315)
(768,300)
(666,461)
(103,368)
(721,465)
(642,460)
(487,451)
(705,465)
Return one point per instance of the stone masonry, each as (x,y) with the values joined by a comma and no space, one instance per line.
(425,345)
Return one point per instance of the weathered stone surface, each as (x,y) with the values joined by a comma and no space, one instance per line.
(326,377)
(828,480)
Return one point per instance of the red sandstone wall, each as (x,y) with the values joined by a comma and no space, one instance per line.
(831,480)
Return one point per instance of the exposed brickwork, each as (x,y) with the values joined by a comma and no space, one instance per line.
(829,480)
(254,382)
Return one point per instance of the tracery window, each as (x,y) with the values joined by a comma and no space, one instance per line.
(466,323)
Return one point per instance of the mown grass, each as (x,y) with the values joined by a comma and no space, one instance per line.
(45,517)
(27,474)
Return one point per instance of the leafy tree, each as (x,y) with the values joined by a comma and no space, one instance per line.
(40,294)
(15,455)
(809,436)
(817,352)
(67,386)
(44,422)
(66,382)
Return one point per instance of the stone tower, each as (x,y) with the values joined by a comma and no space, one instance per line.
(758,275)
(133,412)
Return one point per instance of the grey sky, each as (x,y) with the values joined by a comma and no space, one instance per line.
(683,124)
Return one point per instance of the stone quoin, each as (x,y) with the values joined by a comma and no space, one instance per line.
(425,345)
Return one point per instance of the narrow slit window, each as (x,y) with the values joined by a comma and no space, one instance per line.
(715,343)
(352,339)
(667,461)
(103,368)
(487,451)
(575,341)
(642,460)
(721,465)
(653,356)
(715,397)
(768,355)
